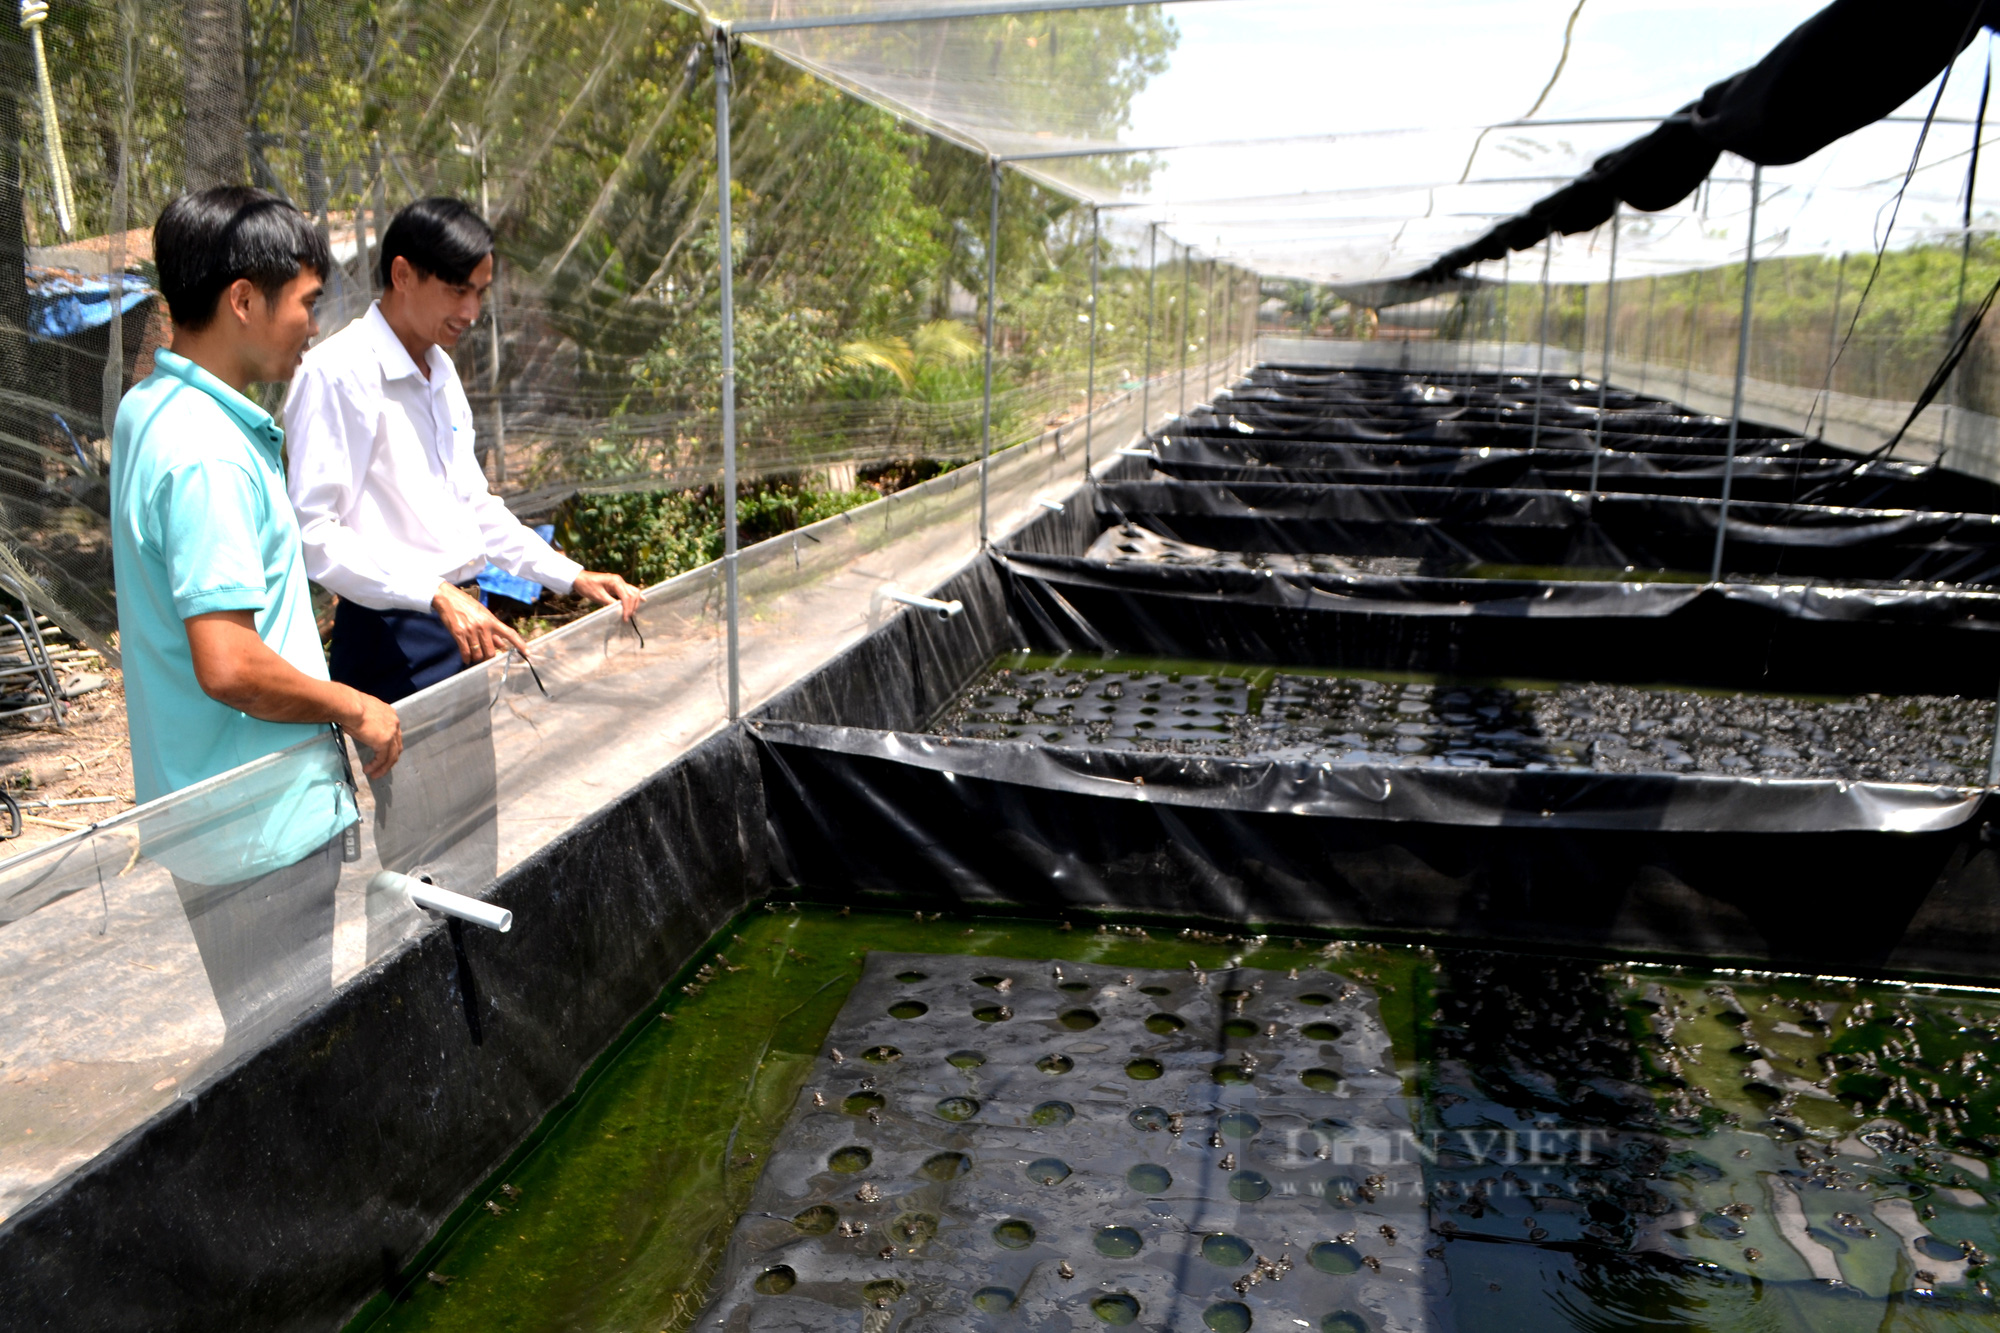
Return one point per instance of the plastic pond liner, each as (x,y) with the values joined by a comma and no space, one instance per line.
(1339,1135)
(1502,526)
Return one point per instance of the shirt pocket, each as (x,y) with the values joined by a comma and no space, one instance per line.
(462,459)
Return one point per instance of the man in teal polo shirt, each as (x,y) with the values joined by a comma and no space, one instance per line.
(223,666)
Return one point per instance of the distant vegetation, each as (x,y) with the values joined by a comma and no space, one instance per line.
(1692,318)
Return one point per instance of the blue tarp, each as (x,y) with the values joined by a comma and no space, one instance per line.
(494,580)
(62,305)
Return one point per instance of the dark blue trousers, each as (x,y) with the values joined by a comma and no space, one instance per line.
(390,654)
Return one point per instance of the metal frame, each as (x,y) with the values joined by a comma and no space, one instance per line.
(1146,381)
(1208,338)
(1090,382)
(992,291)
(1610,323)
(728,265)
(1742,365)
(1542,343)
(35,664)
(932,15)
(1646,347)
(1187,274)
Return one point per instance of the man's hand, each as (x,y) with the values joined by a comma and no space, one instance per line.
(479,632)
(234,666)
(607,588)
(376,728)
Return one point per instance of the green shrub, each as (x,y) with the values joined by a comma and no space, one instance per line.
(649,536)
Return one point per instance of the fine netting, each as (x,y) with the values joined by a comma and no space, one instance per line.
(588,138)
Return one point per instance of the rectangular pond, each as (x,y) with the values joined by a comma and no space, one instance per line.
(1174,1128)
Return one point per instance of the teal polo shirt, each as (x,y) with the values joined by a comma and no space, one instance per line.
(199,523)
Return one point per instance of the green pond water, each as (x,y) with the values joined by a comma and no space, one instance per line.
(1750,1134)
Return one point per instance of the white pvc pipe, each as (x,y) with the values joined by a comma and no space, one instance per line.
(945,610)
(434,899)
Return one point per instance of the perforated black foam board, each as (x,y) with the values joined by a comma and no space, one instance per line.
(1005,1143)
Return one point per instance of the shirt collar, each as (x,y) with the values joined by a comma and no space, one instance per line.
(253,420)
(395,358)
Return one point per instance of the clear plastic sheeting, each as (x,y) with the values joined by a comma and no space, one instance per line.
(124,978)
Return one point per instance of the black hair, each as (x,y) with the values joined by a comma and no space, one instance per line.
(439,236)
(206,240)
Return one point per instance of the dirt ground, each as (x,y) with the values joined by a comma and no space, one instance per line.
(87,756)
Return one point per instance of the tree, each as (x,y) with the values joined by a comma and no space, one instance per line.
(217,130)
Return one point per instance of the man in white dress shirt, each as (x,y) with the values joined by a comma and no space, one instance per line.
(393,509)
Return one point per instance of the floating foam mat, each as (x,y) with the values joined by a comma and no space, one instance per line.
(1003,1143)
(1232,712)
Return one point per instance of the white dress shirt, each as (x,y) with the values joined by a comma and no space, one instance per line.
(390,499)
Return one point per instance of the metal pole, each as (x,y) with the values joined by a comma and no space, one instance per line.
(1742,363)
(1610,322)
(1090,389)
(1694,318)
(1228,321)
(722,180)
(1187,272)
(1542,343)
(1964,257)
(493,311)
(1482,330)
(1506,271)
(1208,338)
(1833,326)
(992,291)
(1582,327)
(1146,383)
(1646,345)
(1993,754)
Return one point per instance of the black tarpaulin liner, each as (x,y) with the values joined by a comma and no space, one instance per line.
(1479,419)
(1884,484)
(1768,636)
(1381,391)
(845,823)
(1418,793)
(1512,427)
(1847,66)
(1414,396)
(1557,528)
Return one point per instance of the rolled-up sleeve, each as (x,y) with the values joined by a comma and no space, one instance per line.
(329,439)
(516,548)
(507,541)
